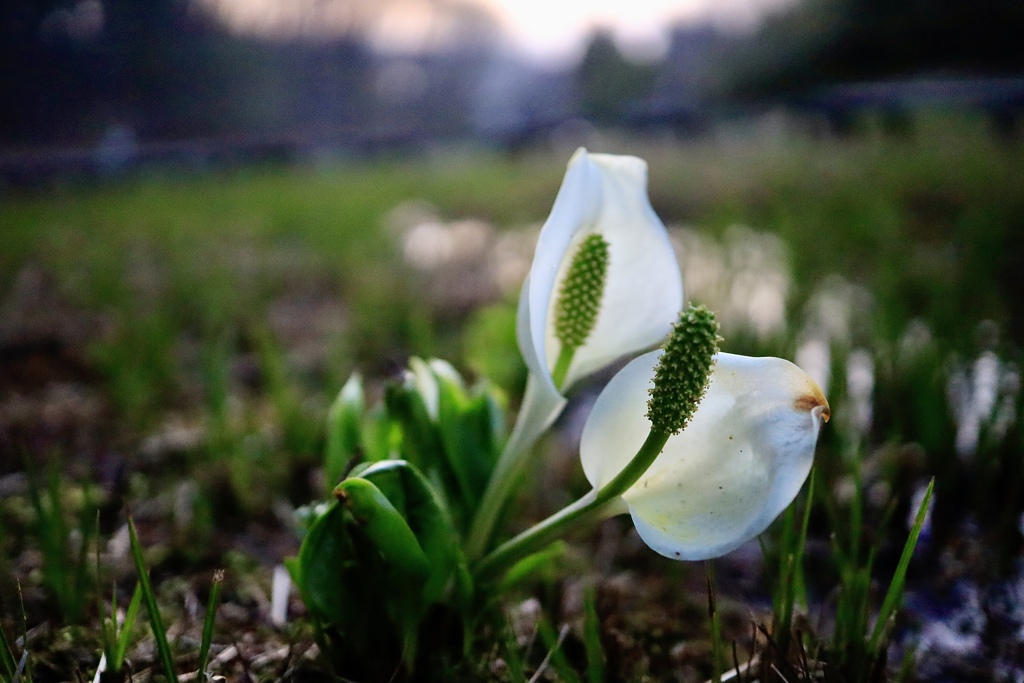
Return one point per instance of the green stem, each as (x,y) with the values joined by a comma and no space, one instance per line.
(596,503)
(561,369)
(536,413)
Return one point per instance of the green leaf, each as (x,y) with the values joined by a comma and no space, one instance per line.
(373,564)
(382,438)
(471,436)
(384,525)
(460,444)
(421,444)
(344,437)
(423,510)
(546,563)
(345,611)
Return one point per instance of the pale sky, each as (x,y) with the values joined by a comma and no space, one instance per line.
(545,30)
(557,28)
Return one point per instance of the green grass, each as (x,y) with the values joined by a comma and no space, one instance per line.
(155,620)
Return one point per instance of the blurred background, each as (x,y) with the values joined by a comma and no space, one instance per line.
(101,85)
(213,211)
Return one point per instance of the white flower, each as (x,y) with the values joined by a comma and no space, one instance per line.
(735,467)
(643,292)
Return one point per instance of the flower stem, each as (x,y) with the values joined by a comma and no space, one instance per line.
(536,414)
(593,504)
(558,375)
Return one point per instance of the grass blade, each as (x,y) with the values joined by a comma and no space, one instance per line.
(799,583)
(127,627)
(211,611)
(159,632)
(792,584)
(716,624)
(6,657)
(895,592)
(513,659)
(592,638)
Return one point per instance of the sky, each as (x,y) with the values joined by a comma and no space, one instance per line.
(552,31)
(557,29)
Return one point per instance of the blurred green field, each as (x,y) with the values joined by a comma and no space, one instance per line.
(929,222)
(235,303)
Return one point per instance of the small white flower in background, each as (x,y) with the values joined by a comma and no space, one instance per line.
(735,467)
(281,587)
(603,195)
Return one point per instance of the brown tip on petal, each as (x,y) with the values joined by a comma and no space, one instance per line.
(814,399)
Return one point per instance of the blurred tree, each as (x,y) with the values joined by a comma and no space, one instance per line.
(71,69)
(166,65)
(820,41)
(608,82)
(311,76)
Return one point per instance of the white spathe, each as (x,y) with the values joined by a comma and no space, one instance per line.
(721,481)
(643,293)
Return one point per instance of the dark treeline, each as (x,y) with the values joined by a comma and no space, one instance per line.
(78,72)
(72,69)
(168,69)
(830,41)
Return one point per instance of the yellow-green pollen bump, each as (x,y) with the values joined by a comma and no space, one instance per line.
(683,372)
(579,301)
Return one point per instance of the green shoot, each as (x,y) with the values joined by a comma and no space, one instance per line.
(116,637)
(895,593)
(299,432)
(592,638)
(7,662)
(215,366)
(791,583)
(159,632)
(211,612)
(65,571)
(513,660)
(343,429)
(716,625)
